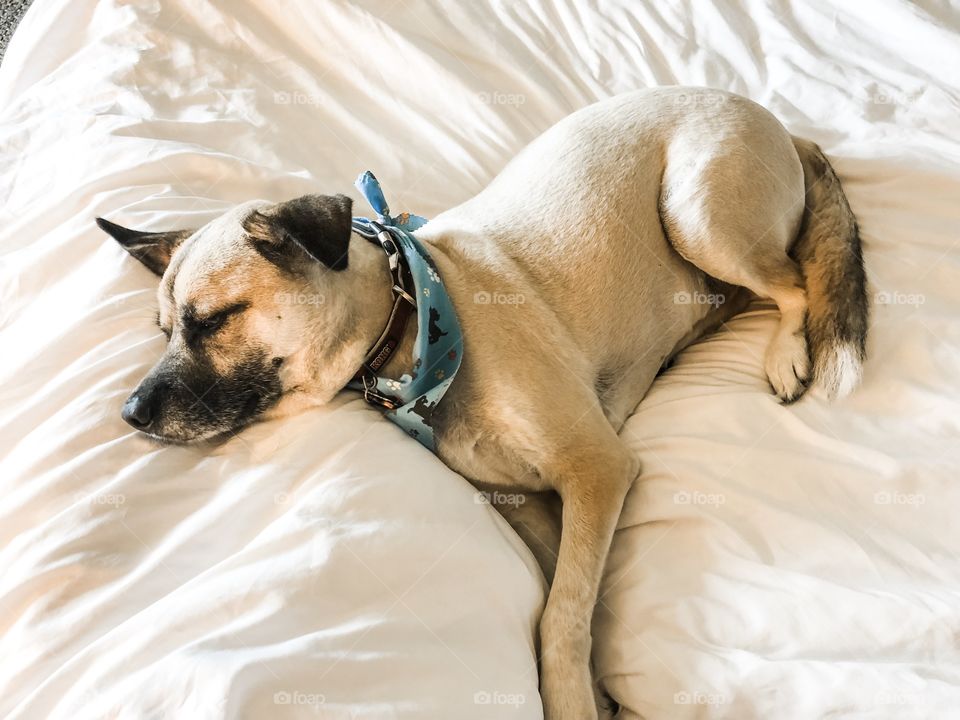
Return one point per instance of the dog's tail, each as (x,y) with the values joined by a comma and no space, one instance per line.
(828,250)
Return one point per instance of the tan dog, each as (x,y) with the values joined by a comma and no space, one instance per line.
(603,234)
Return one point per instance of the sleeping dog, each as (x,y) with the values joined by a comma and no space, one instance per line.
(609,227)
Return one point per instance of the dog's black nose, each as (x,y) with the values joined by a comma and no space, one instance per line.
(137,412)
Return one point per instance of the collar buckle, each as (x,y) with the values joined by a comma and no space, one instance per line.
(401,293)
(372,396)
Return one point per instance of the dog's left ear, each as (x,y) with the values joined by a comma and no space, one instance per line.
(153,249)
(318,225)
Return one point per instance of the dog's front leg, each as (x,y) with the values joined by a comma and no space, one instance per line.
(592,479)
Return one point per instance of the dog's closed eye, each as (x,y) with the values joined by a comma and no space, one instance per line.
(209,324)
(196,327)
(212,323)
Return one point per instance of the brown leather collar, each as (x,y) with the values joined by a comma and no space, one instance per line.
(404,303)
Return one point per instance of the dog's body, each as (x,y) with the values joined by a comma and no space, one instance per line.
(601,236)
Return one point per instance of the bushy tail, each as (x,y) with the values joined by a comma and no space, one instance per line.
(828,250)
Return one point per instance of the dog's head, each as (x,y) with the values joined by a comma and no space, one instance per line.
(257,310)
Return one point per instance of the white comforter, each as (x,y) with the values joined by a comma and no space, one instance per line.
(788,562)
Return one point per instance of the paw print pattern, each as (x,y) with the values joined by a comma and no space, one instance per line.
(433,274)
(393,385)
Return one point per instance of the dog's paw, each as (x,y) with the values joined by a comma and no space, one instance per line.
(788,365)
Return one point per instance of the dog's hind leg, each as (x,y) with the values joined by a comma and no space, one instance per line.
(735,215)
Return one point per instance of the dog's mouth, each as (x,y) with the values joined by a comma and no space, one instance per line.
(211,436)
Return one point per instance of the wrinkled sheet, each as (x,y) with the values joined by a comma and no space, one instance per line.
(789,562)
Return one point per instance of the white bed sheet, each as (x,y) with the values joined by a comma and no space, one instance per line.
(790,562)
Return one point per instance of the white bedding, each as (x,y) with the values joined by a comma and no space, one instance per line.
(788,562)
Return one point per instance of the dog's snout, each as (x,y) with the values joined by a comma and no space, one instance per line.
(140,409)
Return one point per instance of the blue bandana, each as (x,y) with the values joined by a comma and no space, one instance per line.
(438,348)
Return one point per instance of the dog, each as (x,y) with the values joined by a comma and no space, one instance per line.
(599,226)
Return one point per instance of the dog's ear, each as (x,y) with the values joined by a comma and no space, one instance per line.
(318,225)
(153,249)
